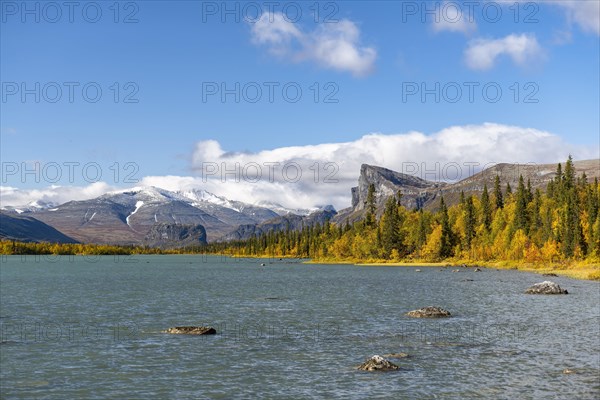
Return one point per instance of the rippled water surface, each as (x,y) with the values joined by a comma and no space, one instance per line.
(91,328)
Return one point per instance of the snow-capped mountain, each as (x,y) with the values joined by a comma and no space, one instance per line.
(127,216)
(34,206)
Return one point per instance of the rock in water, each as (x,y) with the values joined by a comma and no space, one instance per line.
(377,363)
(546,287)
(192,330)
(429,312)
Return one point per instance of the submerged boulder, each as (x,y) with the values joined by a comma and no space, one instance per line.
(192,330)
(429,312)
(546,287)
(377,363)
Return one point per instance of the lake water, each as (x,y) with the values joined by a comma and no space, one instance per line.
(85,327)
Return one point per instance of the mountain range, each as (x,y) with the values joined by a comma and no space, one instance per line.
(145,216)
(156,217)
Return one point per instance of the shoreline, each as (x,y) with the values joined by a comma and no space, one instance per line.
(581,271)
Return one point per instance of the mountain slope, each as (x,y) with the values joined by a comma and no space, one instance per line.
(127,217)
(287,222)
(27,229)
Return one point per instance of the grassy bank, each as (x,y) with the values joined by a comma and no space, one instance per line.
(576,270)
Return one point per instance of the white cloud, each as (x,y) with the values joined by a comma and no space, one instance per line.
(434,156)
(413,152)
(523,49)
(585,13)
(274,30)
(11,196)
(451,18)
(332,45)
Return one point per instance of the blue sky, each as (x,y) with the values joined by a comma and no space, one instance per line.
(377,51)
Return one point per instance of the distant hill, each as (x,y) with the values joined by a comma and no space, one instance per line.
(288,222)
(28,229)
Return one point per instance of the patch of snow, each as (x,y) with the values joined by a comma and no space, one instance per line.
(53,209)
(149,194)
(93,215)
(202,196)
(155,219)
(138,205)
(282,211)
(18,211)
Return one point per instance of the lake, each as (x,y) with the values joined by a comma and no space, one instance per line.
(90,327)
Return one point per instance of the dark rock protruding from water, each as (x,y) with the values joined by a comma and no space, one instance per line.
(192,330)
(546,287)
(429,312)
(378,363)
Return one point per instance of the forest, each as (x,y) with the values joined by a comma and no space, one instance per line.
(560,224)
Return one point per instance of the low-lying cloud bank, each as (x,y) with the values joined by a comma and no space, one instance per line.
(316,175)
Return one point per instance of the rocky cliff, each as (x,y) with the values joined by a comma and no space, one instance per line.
(419,193)
(165,235)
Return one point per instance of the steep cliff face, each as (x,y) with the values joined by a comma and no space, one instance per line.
(175,235)
(419,193)
(387,183)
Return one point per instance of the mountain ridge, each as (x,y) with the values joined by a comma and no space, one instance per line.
(420,193)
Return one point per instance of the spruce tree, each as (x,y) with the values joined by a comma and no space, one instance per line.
(498,193)
(470,221)
(536,218)
(521,207)
(390,235)
(486,208)
(370,206)
(446,239)
(569,175)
